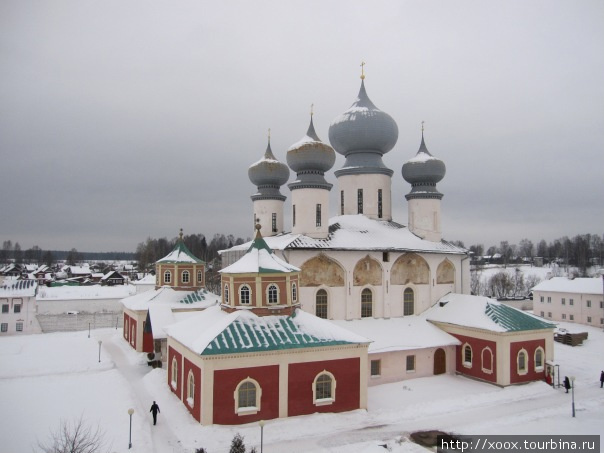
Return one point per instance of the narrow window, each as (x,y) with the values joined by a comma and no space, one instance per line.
(17,308)
(323,386)
(487,360)
(294,215)
(321,304)
(244,295)
(273,294)
(167,277)
(246,395)
(589,319)
(226,294)
(379,203)
(359,201)
(385,257)
(341,202)
(571,302)
(4,327)
(174,379)
(5,308)
(191,389)
(549,300)
(408,302)
(467,355)
(185,276)
(318,215)
(563,301)
(410,363)
(588,303)
(294,293)
(274,222)
(376,367)
(522,362)
(366,303)
(199,276)
(539,359)
(542,299)
(543,314)
(572,317)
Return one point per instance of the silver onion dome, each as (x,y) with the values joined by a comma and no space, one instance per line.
(423,171)
(268,174)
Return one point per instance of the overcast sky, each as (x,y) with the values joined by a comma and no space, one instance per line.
(121,120)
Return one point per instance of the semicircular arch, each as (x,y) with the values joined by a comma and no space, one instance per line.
(322,270)
(410,268)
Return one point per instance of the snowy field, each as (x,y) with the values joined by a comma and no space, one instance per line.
(51,377)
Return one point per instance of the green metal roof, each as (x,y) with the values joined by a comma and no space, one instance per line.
(514,320)
(180,254)
(281,333)
(191,298)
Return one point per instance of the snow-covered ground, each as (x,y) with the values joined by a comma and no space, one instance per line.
(48,377)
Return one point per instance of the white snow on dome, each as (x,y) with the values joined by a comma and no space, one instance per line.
(259,260)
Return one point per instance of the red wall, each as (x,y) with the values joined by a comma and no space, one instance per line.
(196,409)
(147,341)
(175,354)
(530,347)
(225,384)
(301,378)
(477,347)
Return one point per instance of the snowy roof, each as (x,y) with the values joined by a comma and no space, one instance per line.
(358,232)
(180,254)
(85,292)
(577,285)
(216,332)
(482,313)
(399,334)
(259,259)
(171,298)
(146,280)
(18,288)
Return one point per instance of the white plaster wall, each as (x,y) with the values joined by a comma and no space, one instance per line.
(370,184)
(263,213)
(305,201)
(62,306)
(27,316)
(424,218)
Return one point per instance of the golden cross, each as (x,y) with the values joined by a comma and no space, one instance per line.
(362,70)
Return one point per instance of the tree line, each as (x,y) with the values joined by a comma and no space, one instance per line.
(151,250)
(581,251)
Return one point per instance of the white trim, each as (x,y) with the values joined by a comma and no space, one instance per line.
(482,361)
(465,363)
(248,410)
(249,299)
(526,356)
(324,401)
(539,368)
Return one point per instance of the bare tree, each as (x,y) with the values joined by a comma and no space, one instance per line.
(76,437)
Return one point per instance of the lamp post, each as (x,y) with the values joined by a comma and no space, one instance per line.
(88,330)
(100,350)
(130,412)
(261,423)
(572,389)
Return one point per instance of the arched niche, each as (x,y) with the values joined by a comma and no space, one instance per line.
(410,268)
(367,271)
(321,270)
(445,273)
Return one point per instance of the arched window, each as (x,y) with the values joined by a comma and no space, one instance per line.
(244,295)
(408,302)
(294,293)
(191,389)
(487,360)
(522,359)
(321,304)
(174,380)
(199,277)
(324,388)
(167,277)
(247,397)
(226,294)
(366,303)
(539,353)
(133,334)
(272,294)
(467,355)
(185,276)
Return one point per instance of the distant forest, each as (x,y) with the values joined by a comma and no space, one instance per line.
(581,251)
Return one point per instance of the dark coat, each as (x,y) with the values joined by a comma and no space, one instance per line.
(566,383)
(602,376)
(154,409)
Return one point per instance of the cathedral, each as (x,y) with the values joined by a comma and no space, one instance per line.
(308,319)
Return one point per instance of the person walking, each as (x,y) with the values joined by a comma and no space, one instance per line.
(566,383)
(155,410)
(602,379)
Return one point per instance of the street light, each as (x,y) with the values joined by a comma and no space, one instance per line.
(100,351)
(572,388)
(130,412)
(261,423)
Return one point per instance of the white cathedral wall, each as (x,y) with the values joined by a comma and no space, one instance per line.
(424,218)
(344,302)
(305,202)
(370,183)
(263,214)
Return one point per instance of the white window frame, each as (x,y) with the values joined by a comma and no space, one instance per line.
(248,410)
(174,381)
(199,276)
(167,277)
(486,370)
(324,401)
(191,389)
(294,293)
(249,295)
(268,292)
(364,290)
(539,368)
(465,363)
(406,303)
(186,276)
(226,294)
(323,291)
(522,371)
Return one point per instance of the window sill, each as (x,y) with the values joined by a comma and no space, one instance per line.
(375,376)
(324,402)
(486,371)
(467,364)
(247,410)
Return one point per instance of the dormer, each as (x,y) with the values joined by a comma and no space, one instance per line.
(180,269)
